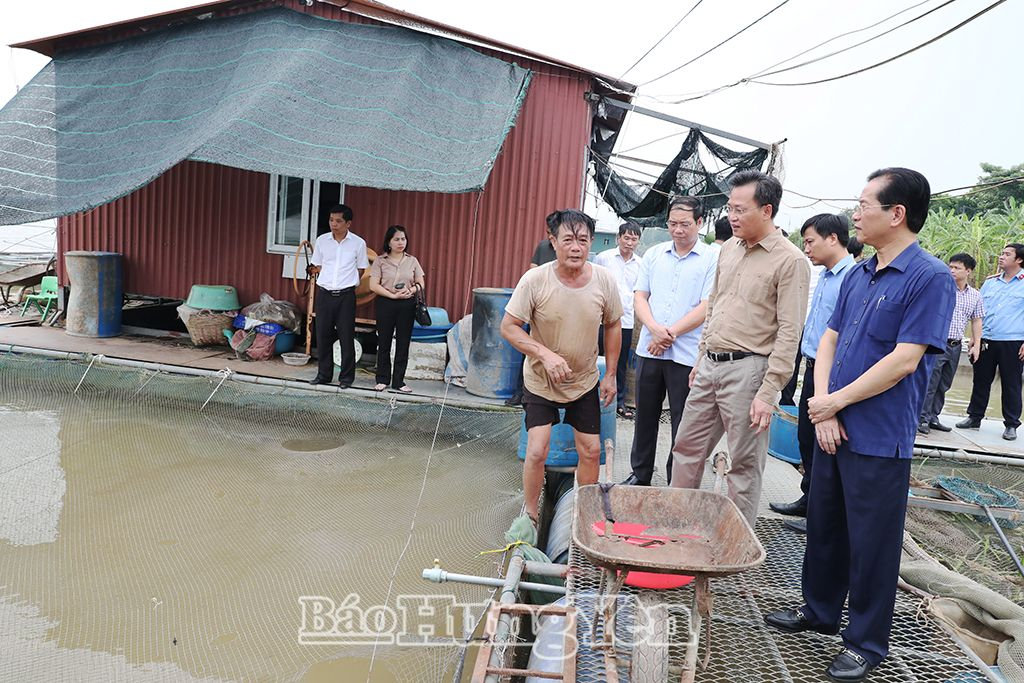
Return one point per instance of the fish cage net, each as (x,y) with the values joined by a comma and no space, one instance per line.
(967,543)
(164,527)
(742,647)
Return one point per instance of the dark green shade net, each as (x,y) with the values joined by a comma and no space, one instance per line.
(274,91)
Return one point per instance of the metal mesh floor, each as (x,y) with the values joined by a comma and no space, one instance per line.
(743,648)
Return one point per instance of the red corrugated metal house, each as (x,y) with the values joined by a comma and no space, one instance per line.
(216,224)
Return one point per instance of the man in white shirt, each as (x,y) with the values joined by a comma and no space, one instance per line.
(625,266)
(670,299)
(339,259)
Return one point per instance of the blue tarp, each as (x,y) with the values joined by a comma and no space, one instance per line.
(274,91)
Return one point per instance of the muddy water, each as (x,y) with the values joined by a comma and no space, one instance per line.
(141,543)
(959,395)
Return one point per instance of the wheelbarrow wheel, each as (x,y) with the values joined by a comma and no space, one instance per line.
(650,639)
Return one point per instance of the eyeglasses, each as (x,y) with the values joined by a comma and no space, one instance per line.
(681,224)
(736,210)
(862,207)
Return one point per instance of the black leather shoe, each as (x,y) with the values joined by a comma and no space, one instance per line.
(344,385)
(939,427)
(319,380)
(631,480)
(798,508)
(969,423)
(797,525)
(923,428)
(1010,433)
(848,667)
(794,621)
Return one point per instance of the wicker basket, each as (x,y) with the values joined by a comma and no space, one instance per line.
(207,328)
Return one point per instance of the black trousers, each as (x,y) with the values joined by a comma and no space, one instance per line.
(805,436)
(940,381)
(335,320)
(789,391)
(855,515)
(394,319)
(654,378)
(1001,355)
(621,389)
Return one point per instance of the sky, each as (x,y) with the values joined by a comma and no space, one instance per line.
(941,110)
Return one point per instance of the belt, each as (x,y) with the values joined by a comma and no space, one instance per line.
(954,342)
(337,292)
(729,355)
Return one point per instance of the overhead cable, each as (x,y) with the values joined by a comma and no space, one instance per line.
(890,59)
(667,33)
(712,49)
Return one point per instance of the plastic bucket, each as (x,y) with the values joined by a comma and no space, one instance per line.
(782,442)
(562,449)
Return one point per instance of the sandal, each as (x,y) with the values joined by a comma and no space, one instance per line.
(625,413)
(405,389)
(380,387)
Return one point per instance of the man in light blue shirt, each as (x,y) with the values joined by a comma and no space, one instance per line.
(670,303)
(1002,343)
(825,240)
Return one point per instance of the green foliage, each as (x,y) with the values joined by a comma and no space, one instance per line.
(983,235)
(990,199)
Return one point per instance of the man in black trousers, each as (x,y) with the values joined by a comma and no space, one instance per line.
(825,238)
(870,376)
(339,259)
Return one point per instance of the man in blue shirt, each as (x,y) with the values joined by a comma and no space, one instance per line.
(825,240)
(1002,343)
(670,302)
(870,377)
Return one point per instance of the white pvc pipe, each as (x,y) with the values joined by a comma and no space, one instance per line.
(251,379)
(438,575)
(961,454)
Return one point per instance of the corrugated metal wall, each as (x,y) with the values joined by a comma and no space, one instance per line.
(201,223)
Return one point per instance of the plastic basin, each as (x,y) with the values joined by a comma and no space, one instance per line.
(213,298)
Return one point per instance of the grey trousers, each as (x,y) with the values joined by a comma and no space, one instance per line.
(939,382)
(719,403)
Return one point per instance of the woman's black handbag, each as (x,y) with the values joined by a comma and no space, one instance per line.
(422,312)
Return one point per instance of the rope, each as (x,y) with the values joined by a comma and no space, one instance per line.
(412,524)
(225,374)
(93,360)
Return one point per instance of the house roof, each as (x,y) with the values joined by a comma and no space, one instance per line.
(367,8)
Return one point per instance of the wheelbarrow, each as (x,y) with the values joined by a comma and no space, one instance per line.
(687,531)
(22,276)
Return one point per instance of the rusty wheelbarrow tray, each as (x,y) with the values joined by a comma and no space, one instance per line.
(688,531)
(23,276)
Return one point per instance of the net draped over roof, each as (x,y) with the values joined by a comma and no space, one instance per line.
(274,91)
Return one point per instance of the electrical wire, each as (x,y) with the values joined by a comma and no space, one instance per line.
(667,33)
(767,71)
(712,49)
(890,59)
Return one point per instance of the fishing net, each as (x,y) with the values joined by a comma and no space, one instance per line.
(686,175)
(161,527)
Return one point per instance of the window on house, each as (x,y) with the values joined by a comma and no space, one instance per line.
(298,211)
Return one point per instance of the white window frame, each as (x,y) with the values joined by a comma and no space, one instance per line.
(309,217)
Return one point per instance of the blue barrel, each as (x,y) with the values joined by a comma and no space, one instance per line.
(495,367)
(96,298)
(562,449)
(782,443)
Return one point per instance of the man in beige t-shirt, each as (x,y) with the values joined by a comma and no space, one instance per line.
(564,302)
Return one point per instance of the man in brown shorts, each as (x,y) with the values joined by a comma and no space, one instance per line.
(564,302)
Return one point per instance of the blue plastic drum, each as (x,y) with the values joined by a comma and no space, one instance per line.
(782,443)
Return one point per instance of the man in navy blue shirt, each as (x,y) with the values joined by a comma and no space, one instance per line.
(870,377)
